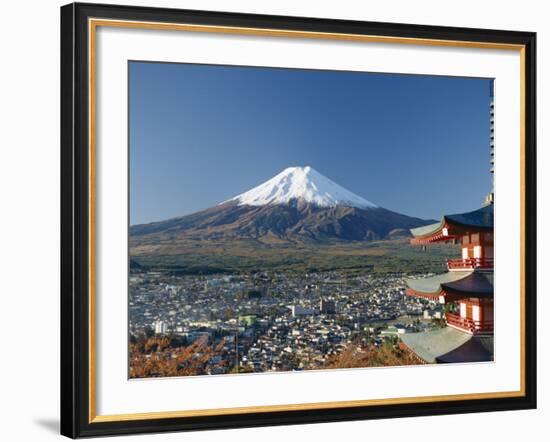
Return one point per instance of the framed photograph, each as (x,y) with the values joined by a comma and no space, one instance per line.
(274,220)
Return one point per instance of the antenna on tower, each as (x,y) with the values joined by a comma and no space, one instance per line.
(490,198)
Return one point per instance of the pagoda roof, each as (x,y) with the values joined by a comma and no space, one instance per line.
(479,283)
(449,345)
(477,220)
(477,349)
(433,285)
(454,284)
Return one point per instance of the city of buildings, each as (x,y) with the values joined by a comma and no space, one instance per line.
(276,321)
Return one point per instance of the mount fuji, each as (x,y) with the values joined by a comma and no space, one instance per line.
(297,205)
(301,184)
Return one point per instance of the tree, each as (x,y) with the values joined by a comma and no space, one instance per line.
(154,357)
(354,356)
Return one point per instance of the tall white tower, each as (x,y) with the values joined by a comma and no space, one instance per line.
(490,198)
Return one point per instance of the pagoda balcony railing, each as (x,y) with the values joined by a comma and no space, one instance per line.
(471,263)
(468,324)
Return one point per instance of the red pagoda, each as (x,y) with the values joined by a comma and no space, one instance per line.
(466,290)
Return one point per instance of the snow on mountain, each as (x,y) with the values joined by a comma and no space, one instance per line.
(301,183)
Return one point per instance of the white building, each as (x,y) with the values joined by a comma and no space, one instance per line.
(160,327)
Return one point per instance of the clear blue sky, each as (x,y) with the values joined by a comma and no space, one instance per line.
(200,134)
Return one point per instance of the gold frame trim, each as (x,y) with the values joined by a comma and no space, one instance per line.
(93,24)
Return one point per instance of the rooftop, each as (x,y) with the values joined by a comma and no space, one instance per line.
(476,220)
(456,283)
(447,345)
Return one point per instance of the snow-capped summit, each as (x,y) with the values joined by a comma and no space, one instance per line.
(297,205)
(304,184)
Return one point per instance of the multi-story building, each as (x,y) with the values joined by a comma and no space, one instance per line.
(160,327)
(327,307)
(465,290)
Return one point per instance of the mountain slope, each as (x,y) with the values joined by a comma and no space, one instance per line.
(302,221)
(298,205)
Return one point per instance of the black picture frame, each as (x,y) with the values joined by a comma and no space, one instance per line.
(75,220)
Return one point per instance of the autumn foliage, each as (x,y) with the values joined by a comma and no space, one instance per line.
(156,357)
(386,355)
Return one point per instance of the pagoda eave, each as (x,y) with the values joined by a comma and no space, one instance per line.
(452,286)
(447,345)
(447,232)
(438,237)
(447,295)
(429,296)
(451,227)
